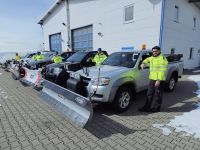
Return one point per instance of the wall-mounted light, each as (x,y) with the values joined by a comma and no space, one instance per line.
(100,34)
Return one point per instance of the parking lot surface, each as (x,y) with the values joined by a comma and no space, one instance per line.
(26,122)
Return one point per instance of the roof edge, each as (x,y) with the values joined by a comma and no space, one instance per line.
(49,12)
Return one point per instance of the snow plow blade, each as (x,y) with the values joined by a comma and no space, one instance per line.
(31,77)
(75,107)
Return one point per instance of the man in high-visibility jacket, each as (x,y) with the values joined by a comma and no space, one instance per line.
(57,59)
(39,56)
(17,57)
(158,70)
(99,57)
(34,57)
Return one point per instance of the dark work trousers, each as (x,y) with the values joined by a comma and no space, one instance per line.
(154,95)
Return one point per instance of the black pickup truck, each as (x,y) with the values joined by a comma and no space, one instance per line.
(58,74)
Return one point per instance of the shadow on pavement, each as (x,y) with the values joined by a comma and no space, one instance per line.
(102,126)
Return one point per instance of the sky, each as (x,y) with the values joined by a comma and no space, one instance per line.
(19,31)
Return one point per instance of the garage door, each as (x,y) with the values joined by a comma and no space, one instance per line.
(82,39)
(55,42)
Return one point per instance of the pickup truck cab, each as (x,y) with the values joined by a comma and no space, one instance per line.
(119,77)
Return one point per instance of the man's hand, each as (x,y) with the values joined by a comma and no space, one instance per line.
(142,66)
(157,83)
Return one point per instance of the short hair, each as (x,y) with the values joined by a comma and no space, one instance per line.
(156,47)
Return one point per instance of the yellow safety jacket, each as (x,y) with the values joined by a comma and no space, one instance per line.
(34,57)
(99,58)
(40,57)
(17,58)
(57,59)
(158,67)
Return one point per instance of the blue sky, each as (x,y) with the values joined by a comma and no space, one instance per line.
(19,30)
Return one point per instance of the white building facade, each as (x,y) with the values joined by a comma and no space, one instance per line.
(116,25)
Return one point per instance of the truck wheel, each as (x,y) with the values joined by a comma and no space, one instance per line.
(122,99)
(170,86)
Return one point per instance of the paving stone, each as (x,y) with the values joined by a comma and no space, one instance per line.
(61,146)
(39,147)
(35,142)
(4,145)
(14,144)
(25,143)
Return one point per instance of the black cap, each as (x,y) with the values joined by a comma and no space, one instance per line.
(99,49)
(156,47)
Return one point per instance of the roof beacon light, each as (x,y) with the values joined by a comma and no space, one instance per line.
(144,46)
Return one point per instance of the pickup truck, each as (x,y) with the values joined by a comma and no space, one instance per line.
(59,73)
(120,77)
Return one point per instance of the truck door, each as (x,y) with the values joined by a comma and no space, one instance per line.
(143,79)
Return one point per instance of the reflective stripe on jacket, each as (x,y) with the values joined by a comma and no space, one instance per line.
(158,67)
(57,59)
(99,58)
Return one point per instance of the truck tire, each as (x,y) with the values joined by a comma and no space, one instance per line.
(171,84)
(123,99)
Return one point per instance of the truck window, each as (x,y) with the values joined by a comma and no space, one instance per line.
(125,59)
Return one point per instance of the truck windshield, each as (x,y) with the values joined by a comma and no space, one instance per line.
(123,59)
(77,57)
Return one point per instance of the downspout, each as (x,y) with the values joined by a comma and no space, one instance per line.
(68,24)
(162,23)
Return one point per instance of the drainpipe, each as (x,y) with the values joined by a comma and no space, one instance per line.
(162,23)
(68,24)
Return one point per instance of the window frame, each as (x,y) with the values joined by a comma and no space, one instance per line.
(124,14)
(176,13)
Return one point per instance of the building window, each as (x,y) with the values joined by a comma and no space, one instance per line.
(172,51)
(55,42)
(194,23)
(82,38)
(176,13)
(128,13)
(191,53)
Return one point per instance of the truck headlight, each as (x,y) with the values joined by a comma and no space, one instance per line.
(75,75)
(100,81)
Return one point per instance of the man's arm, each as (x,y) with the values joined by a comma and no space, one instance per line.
(146,61)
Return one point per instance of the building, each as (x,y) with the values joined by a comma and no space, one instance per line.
(117,25)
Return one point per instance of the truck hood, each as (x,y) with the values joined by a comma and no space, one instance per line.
(105,71)
(54,65)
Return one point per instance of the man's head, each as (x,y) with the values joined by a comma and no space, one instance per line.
(99,50)
(38,53)
(16,54)
(156,51)
(56,53)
